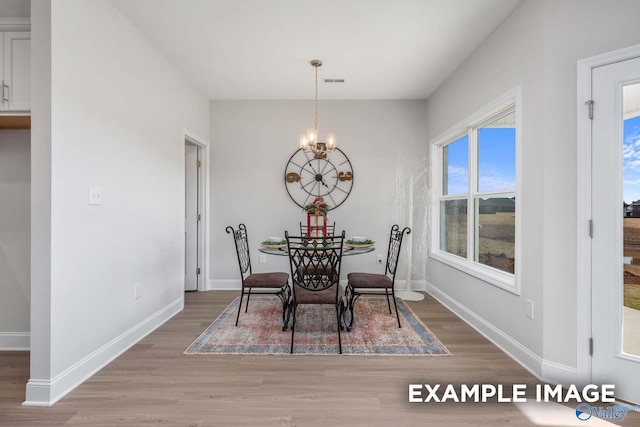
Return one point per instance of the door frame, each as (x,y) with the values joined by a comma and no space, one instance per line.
(583,205)
(203,202)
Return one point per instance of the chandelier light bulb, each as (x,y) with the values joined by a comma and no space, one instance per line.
(304,142)
(311,136)
(331,141)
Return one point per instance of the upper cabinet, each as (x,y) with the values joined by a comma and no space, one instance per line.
(15,71)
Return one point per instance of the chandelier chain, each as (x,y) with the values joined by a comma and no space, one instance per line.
(316,103)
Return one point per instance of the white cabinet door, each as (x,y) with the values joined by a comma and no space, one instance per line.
(16,92)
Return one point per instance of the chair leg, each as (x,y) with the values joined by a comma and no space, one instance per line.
(293,325)
(239,306)
(285,296)
(386,292)
(395,305)
(349,299)
(248,296)
(338,315)
(341,307)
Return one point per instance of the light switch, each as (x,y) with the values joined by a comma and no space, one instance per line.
(529,305)
(95,195)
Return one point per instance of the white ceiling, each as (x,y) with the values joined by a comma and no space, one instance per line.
(260,49)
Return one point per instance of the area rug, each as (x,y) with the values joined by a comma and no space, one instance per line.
(374,331)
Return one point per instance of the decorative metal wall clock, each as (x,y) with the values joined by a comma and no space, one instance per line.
(307,177)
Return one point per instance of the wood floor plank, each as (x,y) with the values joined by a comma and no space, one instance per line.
(155,383)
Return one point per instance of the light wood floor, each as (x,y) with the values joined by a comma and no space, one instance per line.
(154,383)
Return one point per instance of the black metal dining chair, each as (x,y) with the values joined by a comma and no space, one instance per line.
(273,283)
(315,274)
(361,284)
(304,230)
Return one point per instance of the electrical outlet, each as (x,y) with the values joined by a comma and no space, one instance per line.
(263,259)
(95,195)
(529,308)
(380,259)
(136,290)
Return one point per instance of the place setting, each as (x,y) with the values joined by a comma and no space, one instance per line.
(274,243)
(359,242)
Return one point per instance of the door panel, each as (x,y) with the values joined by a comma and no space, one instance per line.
(616,177)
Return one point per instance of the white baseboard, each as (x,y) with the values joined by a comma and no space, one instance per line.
(556,373)
(224,285)
(416,285)
(546,371)
(15,341)
(46,392)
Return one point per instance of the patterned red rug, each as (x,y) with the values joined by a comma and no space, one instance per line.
(374,331)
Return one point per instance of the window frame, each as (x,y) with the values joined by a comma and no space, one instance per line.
(468,127)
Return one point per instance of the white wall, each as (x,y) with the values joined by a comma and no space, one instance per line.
(117,111)
(15,194)
(511,56)
(251,143)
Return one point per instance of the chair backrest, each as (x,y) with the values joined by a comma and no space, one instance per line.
(331,229)
(242,248)
(395,243)
(315,262)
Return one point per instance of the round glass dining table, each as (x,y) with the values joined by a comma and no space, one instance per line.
(347,250)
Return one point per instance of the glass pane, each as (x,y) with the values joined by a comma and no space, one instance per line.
(631,212)
(455,167)
(453,227)
(497,155)
(496,232)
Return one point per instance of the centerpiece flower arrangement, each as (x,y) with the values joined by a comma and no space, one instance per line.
(318,205)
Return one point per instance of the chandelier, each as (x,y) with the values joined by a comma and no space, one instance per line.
(309,140)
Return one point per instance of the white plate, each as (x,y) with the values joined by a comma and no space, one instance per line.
(273,246)
(355,246)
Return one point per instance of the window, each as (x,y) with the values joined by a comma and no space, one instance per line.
(476,193)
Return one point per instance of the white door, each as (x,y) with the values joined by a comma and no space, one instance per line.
(616,237)
(192,218)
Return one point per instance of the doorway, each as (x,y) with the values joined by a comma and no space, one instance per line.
(195,213)
(192,216)
(15,233)
(615,265)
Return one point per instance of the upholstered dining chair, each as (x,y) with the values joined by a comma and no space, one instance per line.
(315,274)
(331,229)
(360,284)
(275,283)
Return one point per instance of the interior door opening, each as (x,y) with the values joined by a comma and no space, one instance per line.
(193,217)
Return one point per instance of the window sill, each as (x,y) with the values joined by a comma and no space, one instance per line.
(487,274)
